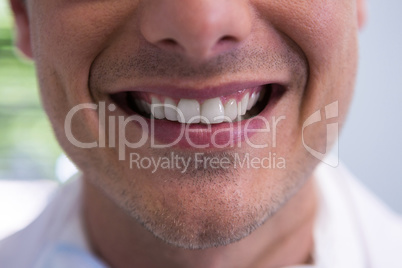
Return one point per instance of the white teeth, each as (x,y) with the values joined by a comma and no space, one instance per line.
(157,108)
(231,110)
(146,106)
(188,111)
(257,97)
(212,111)
(244,104)
(251,101)
(238,118)
(142,106)
(170,109)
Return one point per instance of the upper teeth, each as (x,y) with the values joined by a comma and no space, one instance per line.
(211,111)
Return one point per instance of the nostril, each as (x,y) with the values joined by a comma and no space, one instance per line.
(169,42)
(227,38)
(226,41)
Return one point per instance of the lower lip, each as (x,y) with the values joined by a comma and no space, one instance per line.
(224,135)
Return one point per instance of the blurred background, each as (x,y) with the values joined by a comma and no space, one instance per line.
(31,161)
(370,144)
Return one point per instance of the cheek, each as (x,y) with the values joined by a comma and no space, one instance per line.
(69,35)
(326,32)
(319,27)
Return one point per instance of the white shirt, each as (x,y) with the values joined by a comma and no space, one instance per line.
(352,229)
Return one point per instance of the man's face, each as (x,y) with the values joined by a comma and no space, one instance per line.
(300,54)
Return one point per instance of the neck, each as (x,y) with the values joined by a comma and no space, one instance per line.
(284,239)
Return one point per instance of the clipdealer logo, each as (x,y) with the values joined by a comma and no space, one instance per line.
(330,111)
(118,124)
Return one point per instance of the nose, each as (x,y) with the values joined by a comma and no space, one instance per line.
(200,29)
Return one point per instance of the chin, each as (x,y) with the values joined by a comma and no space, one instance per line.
(204,209)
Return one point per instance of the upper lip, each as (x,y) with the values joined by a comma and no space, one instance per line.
(207,92)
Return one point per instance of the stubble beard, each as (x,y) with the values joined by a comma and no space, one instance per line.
(199,217)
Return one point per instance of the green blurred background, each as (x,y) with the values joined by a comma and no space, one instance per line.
(28,149)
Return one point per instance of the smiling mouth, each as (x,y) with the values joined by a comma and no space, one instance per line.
(241,105)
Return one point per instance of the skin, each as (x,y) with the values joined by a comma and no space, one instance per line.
(224,218)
